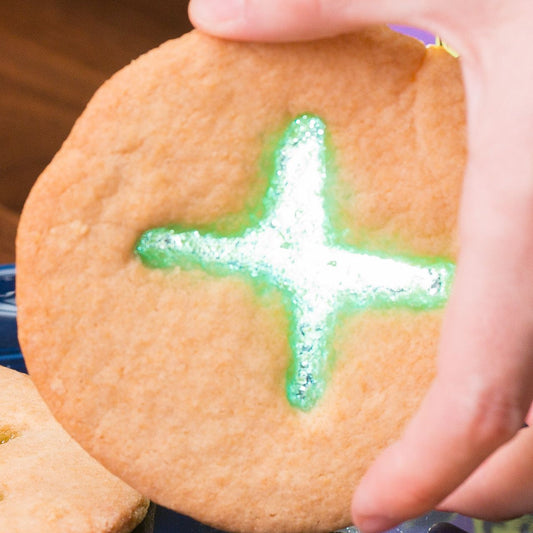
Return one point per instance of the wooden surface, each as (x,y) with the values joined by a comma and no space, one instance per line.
(53,56)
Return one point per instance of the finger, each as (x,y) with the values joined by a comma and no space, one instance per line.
(454,431)
(484,382)
(282,20)
(502,488)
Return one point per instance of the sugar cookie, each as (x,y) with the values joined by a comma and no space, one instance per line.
(47,482)
(190,302)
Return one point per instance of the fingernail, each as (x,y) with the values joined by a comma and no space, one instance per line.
(216,11)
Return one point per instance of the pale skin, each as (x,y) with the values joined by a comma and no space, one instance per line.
(464,450)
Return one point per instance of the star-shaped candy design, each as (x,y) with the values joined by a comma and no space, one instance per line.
(295,248)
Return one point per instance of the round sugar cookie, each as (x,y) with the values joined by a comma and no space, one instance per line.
(47,482)
(231,277)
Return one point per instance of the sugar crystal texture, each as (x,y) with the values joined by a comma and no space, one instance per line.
(294,247)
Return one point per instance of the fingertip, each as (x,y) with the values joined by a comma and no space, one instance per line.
(374,524)
(372,508)
(273,21)
(217,17)
(369,522)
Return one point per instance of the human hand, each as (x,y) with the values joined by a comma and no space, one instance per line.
(464,449)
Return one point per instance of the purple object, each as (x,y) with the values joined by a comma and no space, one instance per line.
(424,36)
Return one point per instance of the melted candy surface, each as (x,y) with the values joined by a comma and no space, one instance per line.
(295,248)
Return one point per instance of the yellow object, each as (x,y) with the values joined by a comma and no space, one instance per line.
(440,42)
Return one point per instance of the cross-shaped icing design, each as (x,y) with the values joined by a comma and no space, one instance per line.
(295,248)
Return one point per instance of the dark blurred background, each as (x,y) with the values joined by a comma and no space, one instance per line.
(53,56)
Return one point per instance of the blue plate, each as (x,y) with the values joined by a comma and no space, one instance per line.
(9,347)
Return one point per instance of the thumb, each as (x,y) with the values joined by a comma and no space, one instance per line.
(293,20)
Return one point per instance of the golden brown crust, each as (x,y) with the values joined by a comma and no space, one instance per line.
(48,483)
(175,380)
